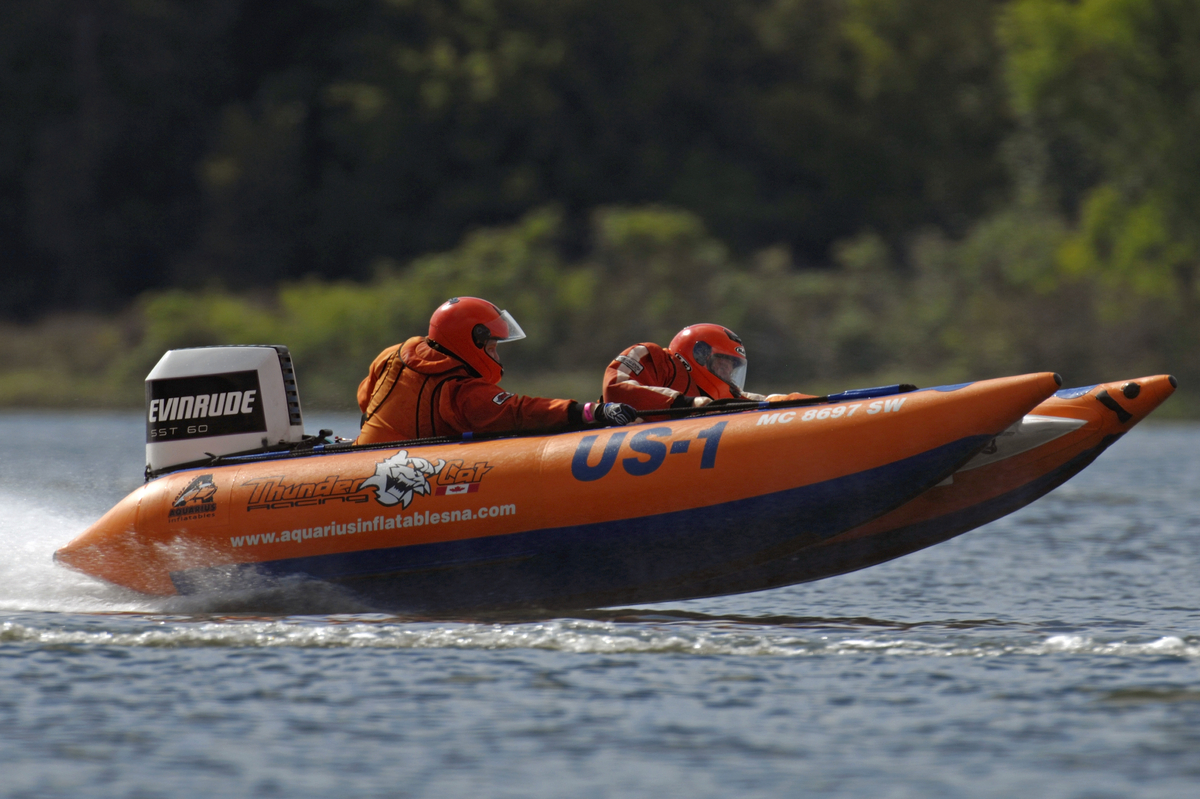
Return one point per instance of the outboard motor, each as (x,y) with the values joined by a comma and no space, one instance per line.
(206,401)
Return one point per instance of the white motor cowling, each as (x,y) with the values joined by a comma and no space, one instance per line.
(206,401)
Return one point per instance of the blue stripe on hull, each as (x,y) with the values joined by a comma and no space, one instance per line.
(834,558)
(645,559)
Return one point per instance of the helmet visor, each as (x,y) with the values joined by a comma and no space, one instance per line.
(506,328)
(501,329)
(728,368)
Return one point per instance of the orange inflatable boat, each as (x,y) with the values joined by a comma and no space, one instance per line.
(649,512)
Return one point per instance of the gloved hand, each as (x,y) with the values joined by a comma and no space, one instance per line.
(609,413)
(700,402)
(752,397)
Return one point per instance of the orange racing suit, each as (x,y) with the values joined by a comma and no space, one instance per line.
(416,391)
(650,378)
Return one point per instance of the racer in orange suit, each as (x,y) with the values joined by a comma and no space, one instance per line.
(702,363)
(447,383)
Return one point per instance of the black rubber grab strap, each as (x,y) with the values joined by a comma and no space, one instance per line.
(1107,401)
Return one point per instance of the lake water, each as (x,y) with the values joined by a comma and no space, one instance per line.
(1054,653)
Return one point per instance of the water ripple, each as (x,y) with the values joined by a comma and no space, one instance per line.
(582,637)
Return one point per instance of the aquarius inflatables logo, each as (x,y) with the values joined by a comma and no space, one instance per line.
(197,500)
(399,478)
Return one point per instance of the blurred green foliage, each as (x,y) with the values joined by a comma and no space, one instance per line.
(192,143)
(866,190)
(999,301)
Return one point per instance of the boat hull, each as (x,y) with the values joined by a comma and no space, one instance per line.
(993,484)
(640,559)
(637,514)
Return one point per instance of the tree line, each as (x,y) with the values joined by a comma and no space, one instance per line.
(866,184)
(238,143)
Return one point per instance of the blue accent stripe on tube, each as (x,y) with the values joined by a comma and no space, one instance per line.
(839,557)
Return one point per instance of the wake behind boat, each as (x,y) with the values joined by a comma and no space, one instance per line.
(644,513)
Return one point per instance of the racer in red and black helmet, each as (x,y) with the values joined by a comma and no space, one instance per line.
(703,363)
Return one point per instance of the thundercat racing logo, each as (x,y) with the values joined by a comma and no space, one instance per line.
(400,477)
(274,492)
(196,501)
(457,478)
(396,481)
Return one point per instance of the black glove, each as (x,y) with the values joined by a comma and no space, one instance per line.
(614,413)
(906,387)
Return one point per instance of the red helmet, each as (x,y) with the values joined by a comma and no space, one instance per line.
(465,325)
(716,357)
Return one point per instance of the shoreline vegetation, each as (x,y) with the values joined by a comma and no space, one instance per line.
(868,191)
(1004,299)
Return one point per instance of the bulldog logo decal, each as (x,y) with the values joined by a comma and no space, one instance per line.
(398,478)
